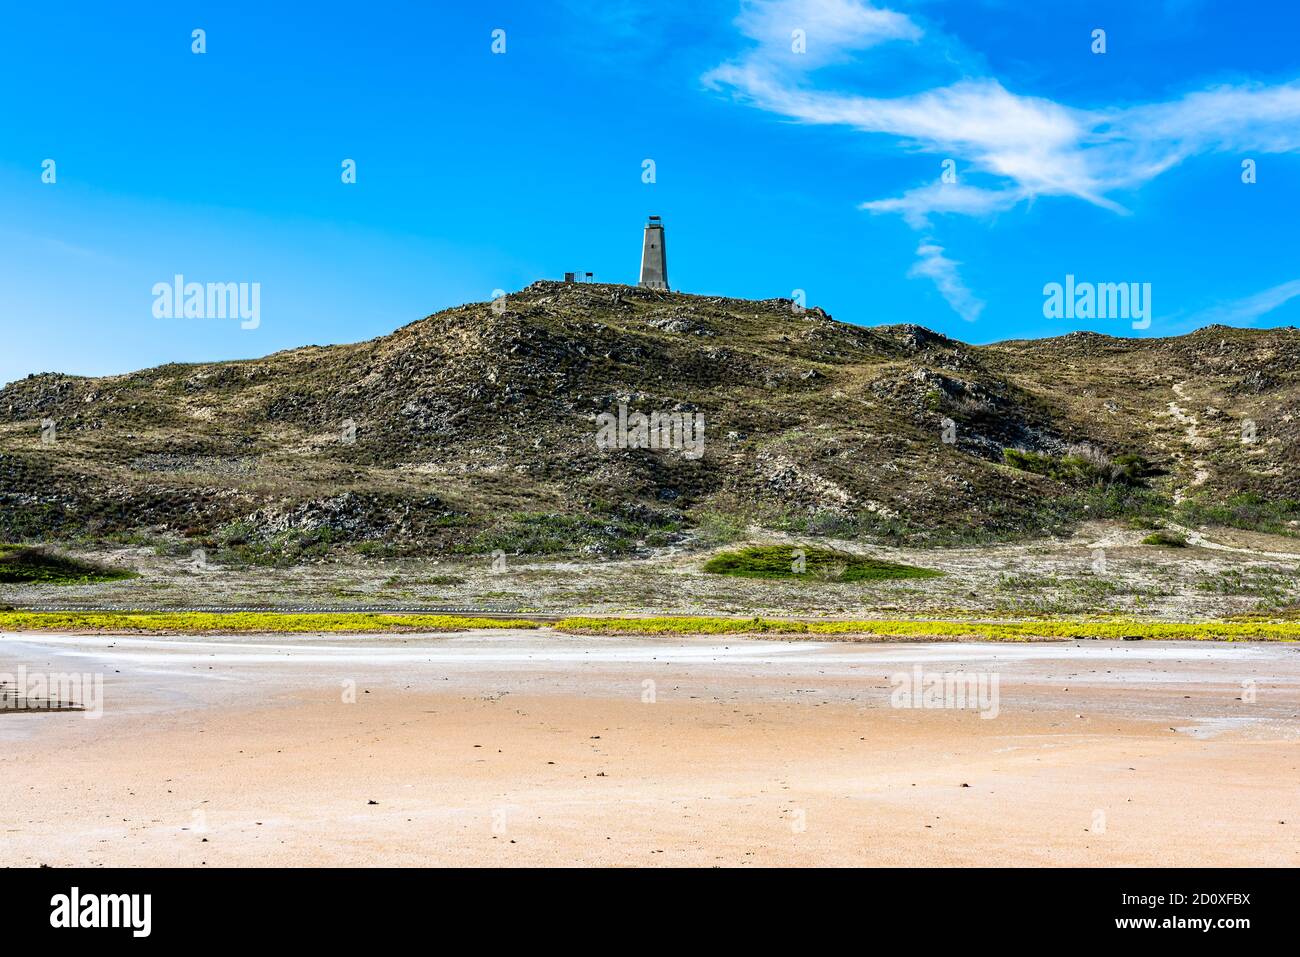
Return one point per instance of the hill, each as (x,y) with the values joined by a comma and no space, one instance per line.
(474,429)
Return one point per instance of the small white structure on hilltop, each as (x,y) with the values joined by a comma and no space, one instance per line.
(654,257)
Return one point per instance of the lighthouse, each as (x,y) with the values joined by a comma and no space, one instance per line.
(654,257)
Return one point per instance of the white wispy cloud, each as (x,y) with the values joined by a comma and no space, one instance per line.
(1242,312)
(1022,146)
(932,264)
(1029,145)
(830,28)
(916,205)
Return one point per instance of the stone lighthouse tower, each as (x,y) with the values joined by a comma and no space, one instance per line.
(654,257)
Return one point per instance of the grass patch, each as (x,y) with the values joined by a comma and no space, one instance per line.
(237,544)
(989,631)
(21,564)
(809,564)
(1272,586)
(720,528)
(1028,582)
(553,533)
(1143,523)
(402,581)
(1166,539)
(995,522)
(252,622)
(1248,511)
(1082,465)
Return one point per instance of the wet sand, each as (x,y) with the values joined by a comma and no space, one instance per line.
(532,749)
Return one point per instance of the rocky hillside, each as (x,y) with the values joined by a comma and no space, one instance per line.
(475,429)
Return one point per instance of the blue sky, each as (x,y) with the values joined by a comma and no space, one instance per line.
(776,170)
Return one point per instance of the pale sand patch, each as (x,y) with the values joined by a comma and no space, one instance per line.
(753,753)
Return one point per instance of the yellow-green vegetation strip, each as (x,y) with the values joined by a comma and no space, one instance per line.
(991,631)
(247,622)
(258,622)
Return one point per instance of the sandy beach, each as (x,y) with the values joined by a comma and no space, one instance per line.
(527,748)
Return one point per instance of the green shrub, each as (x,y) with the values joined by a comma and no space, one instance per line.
(1082,465)
(823,564)
(21,564)
(1166,539)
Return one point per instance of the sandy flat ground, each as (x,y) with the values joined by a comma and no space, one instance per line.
(1102,569)
(531,749)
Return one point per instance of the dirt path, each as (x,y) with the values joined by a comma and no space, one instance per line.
(1198,538)
(1196,441)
